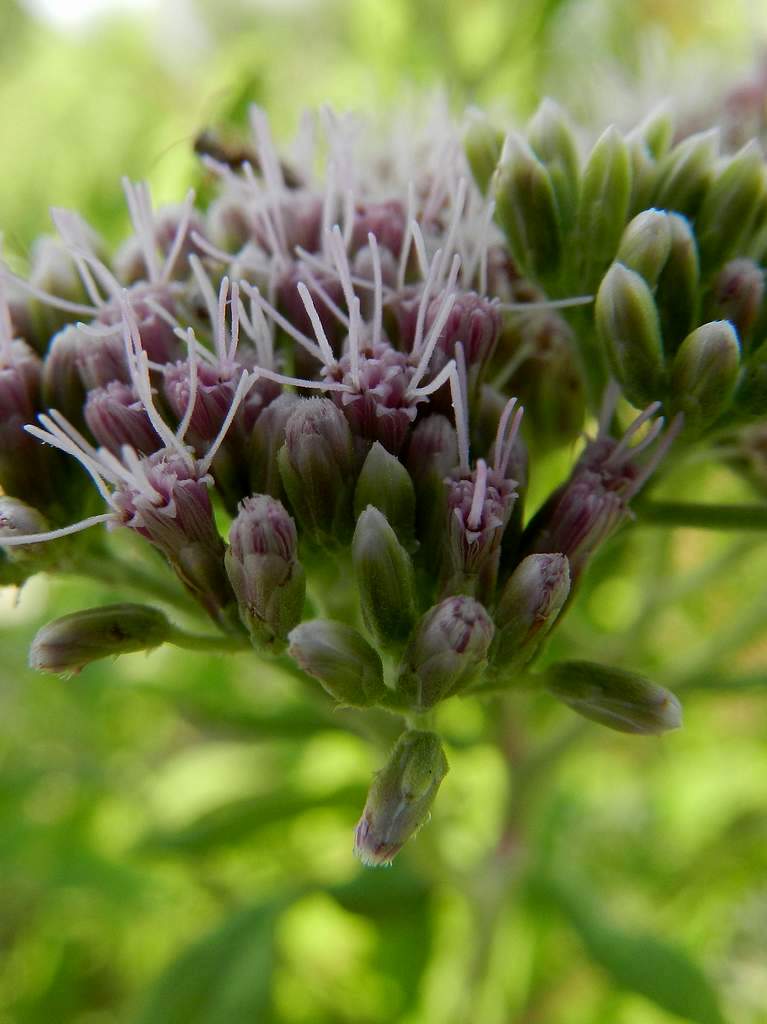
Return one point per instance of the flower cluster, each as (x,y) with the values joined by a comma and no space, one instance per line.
(336,363)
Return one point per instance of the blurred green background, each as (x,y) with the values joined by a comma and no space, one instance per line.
(175,830)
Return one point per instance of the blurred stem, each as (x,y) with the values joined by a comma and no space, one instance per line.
(704,517)
(115,572)
(228,644)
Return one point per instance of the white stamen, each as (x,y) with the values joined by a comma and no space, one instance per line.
(246,381)
(506,435)
(322,339)
(424,302)
(439,322)
(192,396)
(521,307)
(455,218)
(378,289)
(179,237)
(78,308)
(405,250)
(303,382)
(311,347)
(64,531)
(479,495)
(139,202)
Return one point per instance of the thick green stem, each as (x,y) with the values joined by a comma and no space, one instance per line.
(702,517)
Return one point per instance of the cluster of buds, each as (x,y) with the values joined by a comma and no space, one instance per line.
(335,367)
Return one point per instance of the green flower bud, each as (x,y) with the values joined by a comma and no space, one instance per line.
(736,295)
(615,698)
(317,468)
(447,652)
(526,208)
(686,172)
(552,139)
(655,132)
(483,144)
(385,579)
(67,645)
(704,374)
(385,484)
(19,519)
(676,295)
(264,571)
(628,324)
(646,245)
(729,206)
(266,440)
(602,208)
(400,797)
(528,608)
(343,661)
(751,394)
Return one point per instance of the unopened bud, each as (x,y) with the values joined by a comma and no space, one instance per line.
(385,579)
(19,519)
(316,466)
(627,320)
(341,659)
(526,208)
(751,394)
(447,652)
(736,295)
(67,645)
(266,439)
(116,416)
(528,608)
(552,139)
(704,374)
(62,383)
(685,173)
(613,697)
(385,483)
(602,207)
(646,244)
(483,143)
(656,131)
(400,797)
(676,295)
(264,571)
(730,204)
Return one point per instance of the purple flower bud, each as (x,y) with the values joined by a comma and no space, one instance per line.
(528,607)
(613,697)
(447,652)
(67,645)
(292,307)
(62,383)
(433,448)
(317,468)
(169,504)
(116,417)
(21,458)
(473,321)
(379,408)
(736,295)
(401,797)
(386,220)
(264,571)
(343,661)
(479,506)
(157,335)
(213,399)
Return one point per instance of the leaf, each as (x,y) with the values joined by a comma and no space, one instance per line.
(222,978)
(639,962)
(239,819)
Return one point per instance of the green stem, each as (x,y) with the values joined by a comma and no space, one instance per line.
(704,517)
(228,644)
(115,572)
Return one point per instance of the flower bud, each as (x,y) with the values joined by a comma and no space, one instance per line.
(316,466)
(343,661)
(676,295)
(627,321)
(646,244)
(19,519)
(526,208)
(483,143)
(602,208)
(214,394)
(447,652)
(751,394)
(266,439)
(400,797)
(730,204)
(736,295)
(613,697)
(116,417)
(528,607)
(475,322)
(431,455)
(385,483)
(656,131)
(552,139)
(685,173)
(263,569)
(704,375)
(385,579)
(67,645)
(62,384)
(22,460)
(386,220)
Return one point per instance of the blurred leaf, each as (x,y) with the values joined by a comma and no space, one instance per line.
(239,819)
(636,961)
(224,978)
